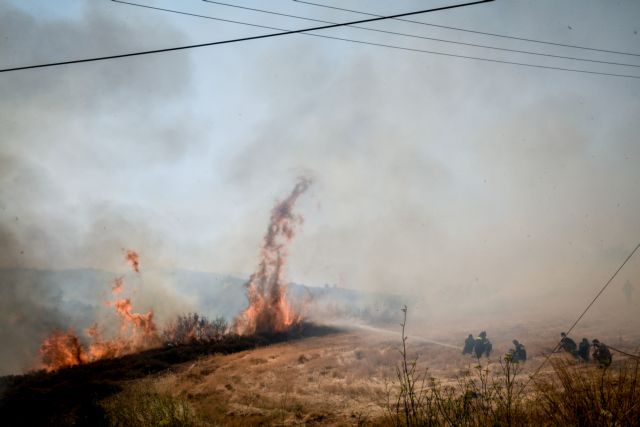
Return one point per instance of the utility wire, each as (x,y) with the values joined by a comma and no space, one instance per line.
(263,36)
(557,347)
(549,55)
(477,58)
(474,31)
(635,356)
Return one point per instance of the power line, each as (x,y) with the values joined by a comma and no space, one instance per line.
(477,58)
(263,36)
(475,31)
(635,356)
(544,362)
(549,55)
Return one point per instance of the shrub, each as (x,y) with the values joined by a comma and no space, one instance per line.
(194,329)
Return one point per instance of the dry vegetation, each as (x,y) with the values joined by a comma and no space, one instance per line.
(329,380)
(355,377)
(352,378)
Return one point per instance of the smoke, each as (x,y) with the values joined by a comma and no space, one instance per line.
(465,206)
(136,332)
(80,122)
(464,188)
(29,309)
(67,152)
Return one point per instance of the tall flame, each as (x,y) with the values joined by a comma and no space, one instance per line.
(269,310)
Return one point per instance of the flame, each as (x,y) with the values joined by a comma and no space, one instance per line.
(137,332)
(269,310)
(133,258)
(62,349)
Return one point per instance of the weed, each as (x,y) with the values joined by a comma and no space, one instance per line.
(574,394)
(139,407)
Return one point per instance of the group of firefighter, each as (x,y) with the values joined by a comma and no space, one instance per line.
(481,346)
(601,352)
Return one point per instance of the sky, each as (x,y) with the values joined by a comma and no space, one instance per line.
(434,176)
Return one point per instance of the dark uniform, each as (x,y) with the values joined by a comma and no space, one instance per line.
(568,345)
(583,349)
(469,343)
(482,345)
(601,354)
(519,353)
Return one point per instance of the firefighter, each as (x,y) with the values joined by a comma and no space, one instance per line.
(469,343)
(482,345)
(568,345)
(601,354)
(519,353)
(583,349)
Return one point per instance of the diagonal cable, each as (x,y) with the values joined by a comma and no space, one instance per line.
(477,58)
(557,347)
(242,39)
(475,31)
(395,33)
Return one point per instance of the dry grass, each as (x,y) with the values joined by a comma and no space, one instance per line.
(584,395)
(328,380)
(573,393)
(141,406)
(345,379)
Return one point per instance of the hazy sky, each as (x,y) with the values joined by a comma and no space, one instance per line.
(432,174)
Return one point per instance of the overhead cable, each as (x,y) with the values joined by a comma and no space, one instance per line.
(242,39)
(527,52)
(477,32)
(477,58)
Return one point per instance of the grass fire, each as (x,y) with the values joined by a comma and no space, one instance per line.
(297,214)
(136,332)
(128,370)
(268,311)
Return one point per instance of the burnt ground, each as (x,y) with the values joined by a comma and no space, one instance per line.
(72,396)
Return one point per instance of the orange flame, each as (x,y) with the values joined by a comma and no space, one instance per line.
(269,310)
(62,349)
(133,258)
(137,332)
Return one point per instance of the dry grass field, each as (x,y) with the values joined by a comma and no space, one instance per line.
(343,378)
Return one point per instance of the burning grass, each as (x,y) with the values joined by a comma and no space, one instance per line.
(269,310)
(75,395)
(137,331)
(341,378)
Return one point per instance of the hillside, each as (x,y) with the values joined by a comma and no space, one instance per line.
(33,303)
